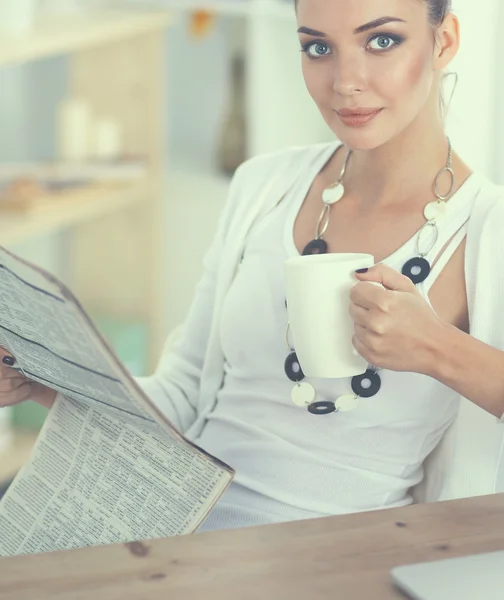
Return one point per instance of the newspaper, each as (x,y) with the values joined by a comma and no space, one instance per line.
(108,467)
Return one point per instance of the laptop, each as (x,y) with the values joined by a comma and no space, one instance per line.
(476,577)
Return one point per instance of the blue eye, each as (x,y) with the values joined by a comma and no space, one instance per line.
(386,42)
(316,49)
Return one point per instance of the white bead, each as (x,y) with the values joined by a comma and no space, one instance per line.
(435,210)
(333,194)
(347,403)
(303,394)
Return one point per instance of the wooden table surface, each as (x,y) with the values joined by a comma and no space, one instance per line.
(345,557)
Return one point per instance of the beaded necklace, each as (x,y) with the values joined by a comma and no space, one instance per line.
(417,269)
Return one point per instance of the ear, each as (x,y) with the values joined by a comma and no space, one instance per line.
(447,41)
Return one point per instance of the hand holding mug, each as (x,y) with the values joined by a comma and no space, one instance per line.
(395,328)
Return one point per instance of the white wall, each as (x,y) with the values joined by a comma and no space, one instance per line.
(499,100)
(282,112)
(472,119)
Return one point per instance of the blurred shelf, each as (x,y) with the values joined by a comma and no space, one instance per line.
(245,8)
(71,33)
(15,456)
(226,7)
(185,172)
(67,209)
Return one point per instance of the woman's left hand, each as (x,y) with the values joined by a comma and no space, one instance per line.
(395,328)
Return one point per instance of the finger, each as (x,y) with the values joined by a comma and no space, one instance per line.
(361,348)
(361,332)
(9,372)
(6,358)
(388,277)
(10,384)
(367,345)
(6,373)
(367,296)
(21,394)
(43,395)
(359,314)
(7,364)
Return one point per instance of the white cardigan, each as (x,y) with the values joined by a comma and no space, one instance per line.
(469,460)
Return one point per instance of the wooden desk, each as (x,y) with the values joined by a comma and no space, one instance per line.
(341,558)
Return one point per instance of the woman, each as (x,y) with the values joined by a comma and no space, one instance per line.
(374,69)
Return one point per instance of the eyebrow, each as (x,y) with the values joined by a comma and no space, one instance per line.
(371,25)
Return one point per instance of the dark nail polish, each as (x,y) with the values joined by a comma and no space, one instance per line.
(9,361)
(361,271)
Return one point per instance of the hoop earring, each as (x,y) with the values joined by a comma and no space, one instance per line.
(454,89)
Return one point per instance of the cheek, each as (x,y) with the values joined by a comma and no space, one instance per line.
(411,77)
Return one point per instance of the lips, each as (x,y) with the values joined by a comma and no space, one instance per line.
(357,112)
(351,118)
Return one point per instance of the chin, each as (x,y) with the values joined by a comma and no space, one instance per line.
(359,141)
(362,138)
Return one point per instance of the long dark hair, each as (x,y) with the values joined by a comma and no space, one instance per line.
(438,10)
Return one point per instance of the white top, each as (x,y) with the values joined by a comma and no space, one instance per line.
(187,382)
(334,464)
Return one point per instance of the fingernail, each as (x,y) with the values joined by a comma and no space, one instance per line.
(361,271)
(9,361)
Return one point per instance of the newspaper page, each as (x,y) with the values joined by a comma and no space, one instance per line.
(108,467)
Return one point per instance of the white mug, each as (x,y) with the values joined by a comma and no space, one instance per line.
(318,307)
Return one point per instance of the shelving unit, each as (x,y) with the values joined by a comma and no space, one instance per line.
(70,210)
(69,34)
(113,245)
(117,64)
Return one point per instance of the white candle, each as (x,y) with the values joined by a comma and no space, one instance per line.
(74,130)
(106,140)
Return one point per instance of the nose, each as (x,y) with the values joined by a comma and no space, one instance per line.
(349,76)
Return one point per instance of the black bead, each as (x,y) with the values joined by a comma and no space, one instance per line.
(415,263)
(322,408)
(316,247)
(372,390)
(293,368)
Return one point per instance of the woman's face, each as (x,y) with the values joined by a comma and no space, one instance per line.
(349,63)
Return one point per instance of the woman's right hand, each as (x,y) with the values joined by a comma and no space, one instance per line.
(16,388)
